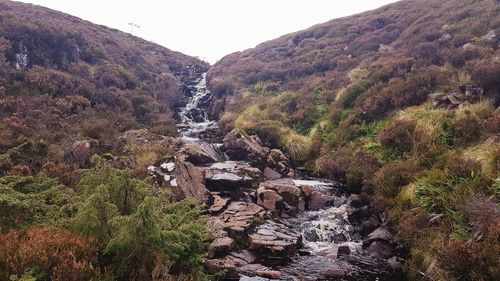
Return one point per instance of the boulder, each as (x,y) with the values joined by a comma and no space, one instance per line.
(202,153)
(275,240)
(317,199)
(379,234)
(282,190)
(81,151)
(221,246)
(189,183)
(241,147)
(271,174)
(231,176)
(343,250)
(380,250)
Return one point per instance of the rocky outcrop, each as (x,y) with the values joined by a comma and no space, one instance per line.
(241,147)
(187,181)
(466,95)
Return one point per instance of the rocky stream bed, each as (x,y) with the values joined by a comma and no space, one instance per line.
(267,220)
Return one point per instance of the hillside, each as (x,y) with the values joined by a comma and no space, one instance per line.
(71,90)
(64,80)
(400,103)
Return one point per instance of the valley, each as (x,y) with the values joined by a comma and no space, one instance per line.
(362,148)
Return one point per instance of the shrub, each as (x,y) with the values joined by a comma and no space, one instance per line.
(466,130)
(398,136)
(393,176)
(55,254)
(297,146)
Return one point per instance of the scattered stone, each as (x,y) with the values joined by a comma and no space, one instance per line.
(444,38)
(383,48)
(489,37)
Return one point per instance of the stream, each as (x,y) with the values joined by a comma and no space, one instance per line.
(330,247)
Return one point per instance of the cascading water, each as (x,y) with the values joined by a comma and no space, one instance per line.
(194,119)
(326,234)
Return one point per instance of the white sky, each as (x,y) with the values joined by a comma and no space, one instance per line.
(210,29)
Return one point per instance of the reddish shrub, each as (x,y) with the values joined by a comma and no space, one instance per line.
(398,136)
(60,254)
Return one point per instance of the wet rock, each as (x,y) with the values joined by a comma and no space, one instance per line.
(230,263)
(271,174)
(357,215)
(220,203)
(275,240)
(221,246)
(272,195)
(343,250)
(202,153)
(316,199)
(379,234)
(380,249)
(367,227)
(330,252)
(190,183)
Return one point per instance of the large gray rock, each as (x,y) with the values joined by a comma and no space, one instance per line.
(231,176)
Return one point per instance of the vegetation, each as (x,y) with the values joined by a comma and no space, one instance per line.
(108,226)
(355,92)
(70,89)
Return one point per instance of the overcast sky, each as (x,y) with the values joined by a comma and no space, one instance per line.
(210,29)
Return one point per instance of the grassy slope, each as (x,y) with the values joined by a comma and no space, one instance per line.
(348,99)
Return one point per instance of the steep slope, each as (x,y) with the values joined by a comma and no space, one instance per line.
(63,79)
(400,103)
